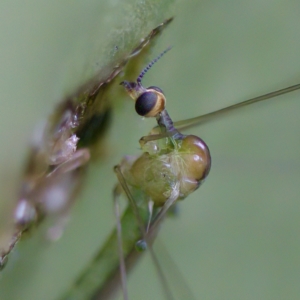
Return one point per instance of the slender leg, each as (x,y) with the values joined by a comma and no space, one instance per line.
(154,137)
(146,236)
(170,201)
(150,207)
(125,188)
(116,195)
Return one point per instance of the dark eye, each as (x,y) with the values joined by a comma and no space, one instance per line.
(155,88)
(145,103)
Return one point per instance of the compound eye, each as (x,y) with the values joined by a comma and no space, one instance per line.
(155,88)
(150,103)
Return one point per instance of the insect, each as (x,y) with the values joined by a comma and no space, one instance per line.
(172,166)
(162,175)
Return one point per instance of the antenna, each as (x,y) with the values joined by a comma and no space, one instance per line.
(145,70)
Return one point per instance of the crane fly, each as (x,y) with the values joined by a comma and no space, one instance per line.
(171,167)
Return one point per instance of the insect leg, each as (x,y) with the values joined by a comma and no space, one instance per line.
(170,201)
(116,195)
(146,237)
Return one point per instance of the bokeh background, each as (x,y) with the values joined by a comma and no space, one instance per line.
(237,237)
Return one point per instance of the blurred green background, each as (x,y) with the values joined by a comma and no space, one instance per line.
(237,237)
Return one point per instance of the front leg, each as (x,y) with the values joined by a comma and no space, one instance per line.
(155,141)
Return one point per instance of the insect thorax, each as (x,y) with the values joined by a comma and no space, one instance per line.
(174,164)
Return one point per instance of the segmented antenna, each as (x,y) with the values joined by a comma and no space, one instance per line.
(145,70)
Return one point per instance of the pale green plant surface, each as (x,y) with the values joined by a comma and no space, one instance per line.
(82,40)
(235,238)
